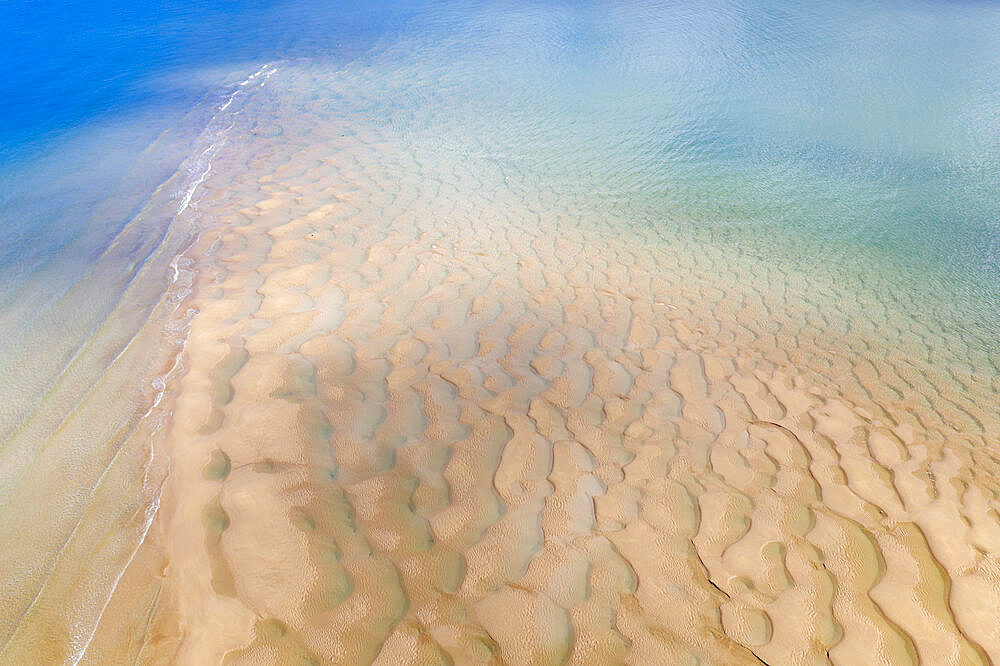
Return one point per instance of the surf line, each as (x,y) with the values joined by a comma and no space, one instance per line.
(79,648)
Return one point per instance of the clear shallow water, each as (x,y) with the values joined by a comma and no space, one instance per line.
(856,145)
(112,116)
(869,131)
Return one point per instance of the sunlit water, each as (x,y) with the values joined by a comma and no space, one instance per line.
(855,148)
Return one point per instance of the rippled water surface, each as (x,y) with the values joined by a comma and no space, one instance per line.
(842,159)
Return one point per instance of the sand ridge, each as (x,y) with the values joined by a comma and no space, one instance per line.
(425,420)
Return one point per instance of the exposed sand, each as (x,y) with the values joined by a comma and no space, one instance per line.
(421,425)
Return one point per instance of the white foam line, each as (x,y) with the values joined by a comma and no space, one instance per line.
(160,383)
(150,512)
(229,101)
(267,71)
(186,200)
(262,71)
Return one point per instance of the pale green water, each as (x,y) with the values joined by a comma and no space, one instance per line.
(860,142)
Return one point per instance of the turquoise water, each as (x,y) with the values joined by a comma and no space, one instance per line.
(858,143)
(862,130)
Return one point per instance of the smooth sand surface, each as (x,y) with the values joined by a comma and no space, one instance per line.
(424,421)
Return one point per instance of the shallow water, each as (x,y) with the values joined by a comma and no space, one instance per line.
(721,203)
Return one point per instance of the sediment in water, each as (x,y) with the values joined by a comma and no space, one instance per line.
(434,411)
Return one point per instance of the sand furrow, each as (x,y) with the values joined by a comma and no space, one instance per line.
(431,416)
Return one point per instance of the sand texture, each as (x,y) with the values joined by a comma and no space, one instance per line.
(427,417)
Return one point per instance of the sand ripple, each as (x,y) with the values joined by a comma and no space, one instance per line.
(426,419)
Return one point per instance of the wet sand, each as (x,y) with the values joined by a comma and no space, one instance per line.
(424,419)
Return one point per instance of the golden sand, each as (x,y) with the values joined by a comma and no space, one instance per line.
(424,421)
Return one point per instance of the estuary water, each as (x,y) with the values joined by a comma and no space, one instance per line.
(658,206)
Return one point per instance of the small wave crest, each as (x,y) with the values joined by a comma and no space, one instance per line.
(175,317)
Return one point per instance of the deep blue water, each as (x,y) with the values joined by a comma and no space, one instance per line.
(875,123)
(105,113)
(70,63)
(91,88)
